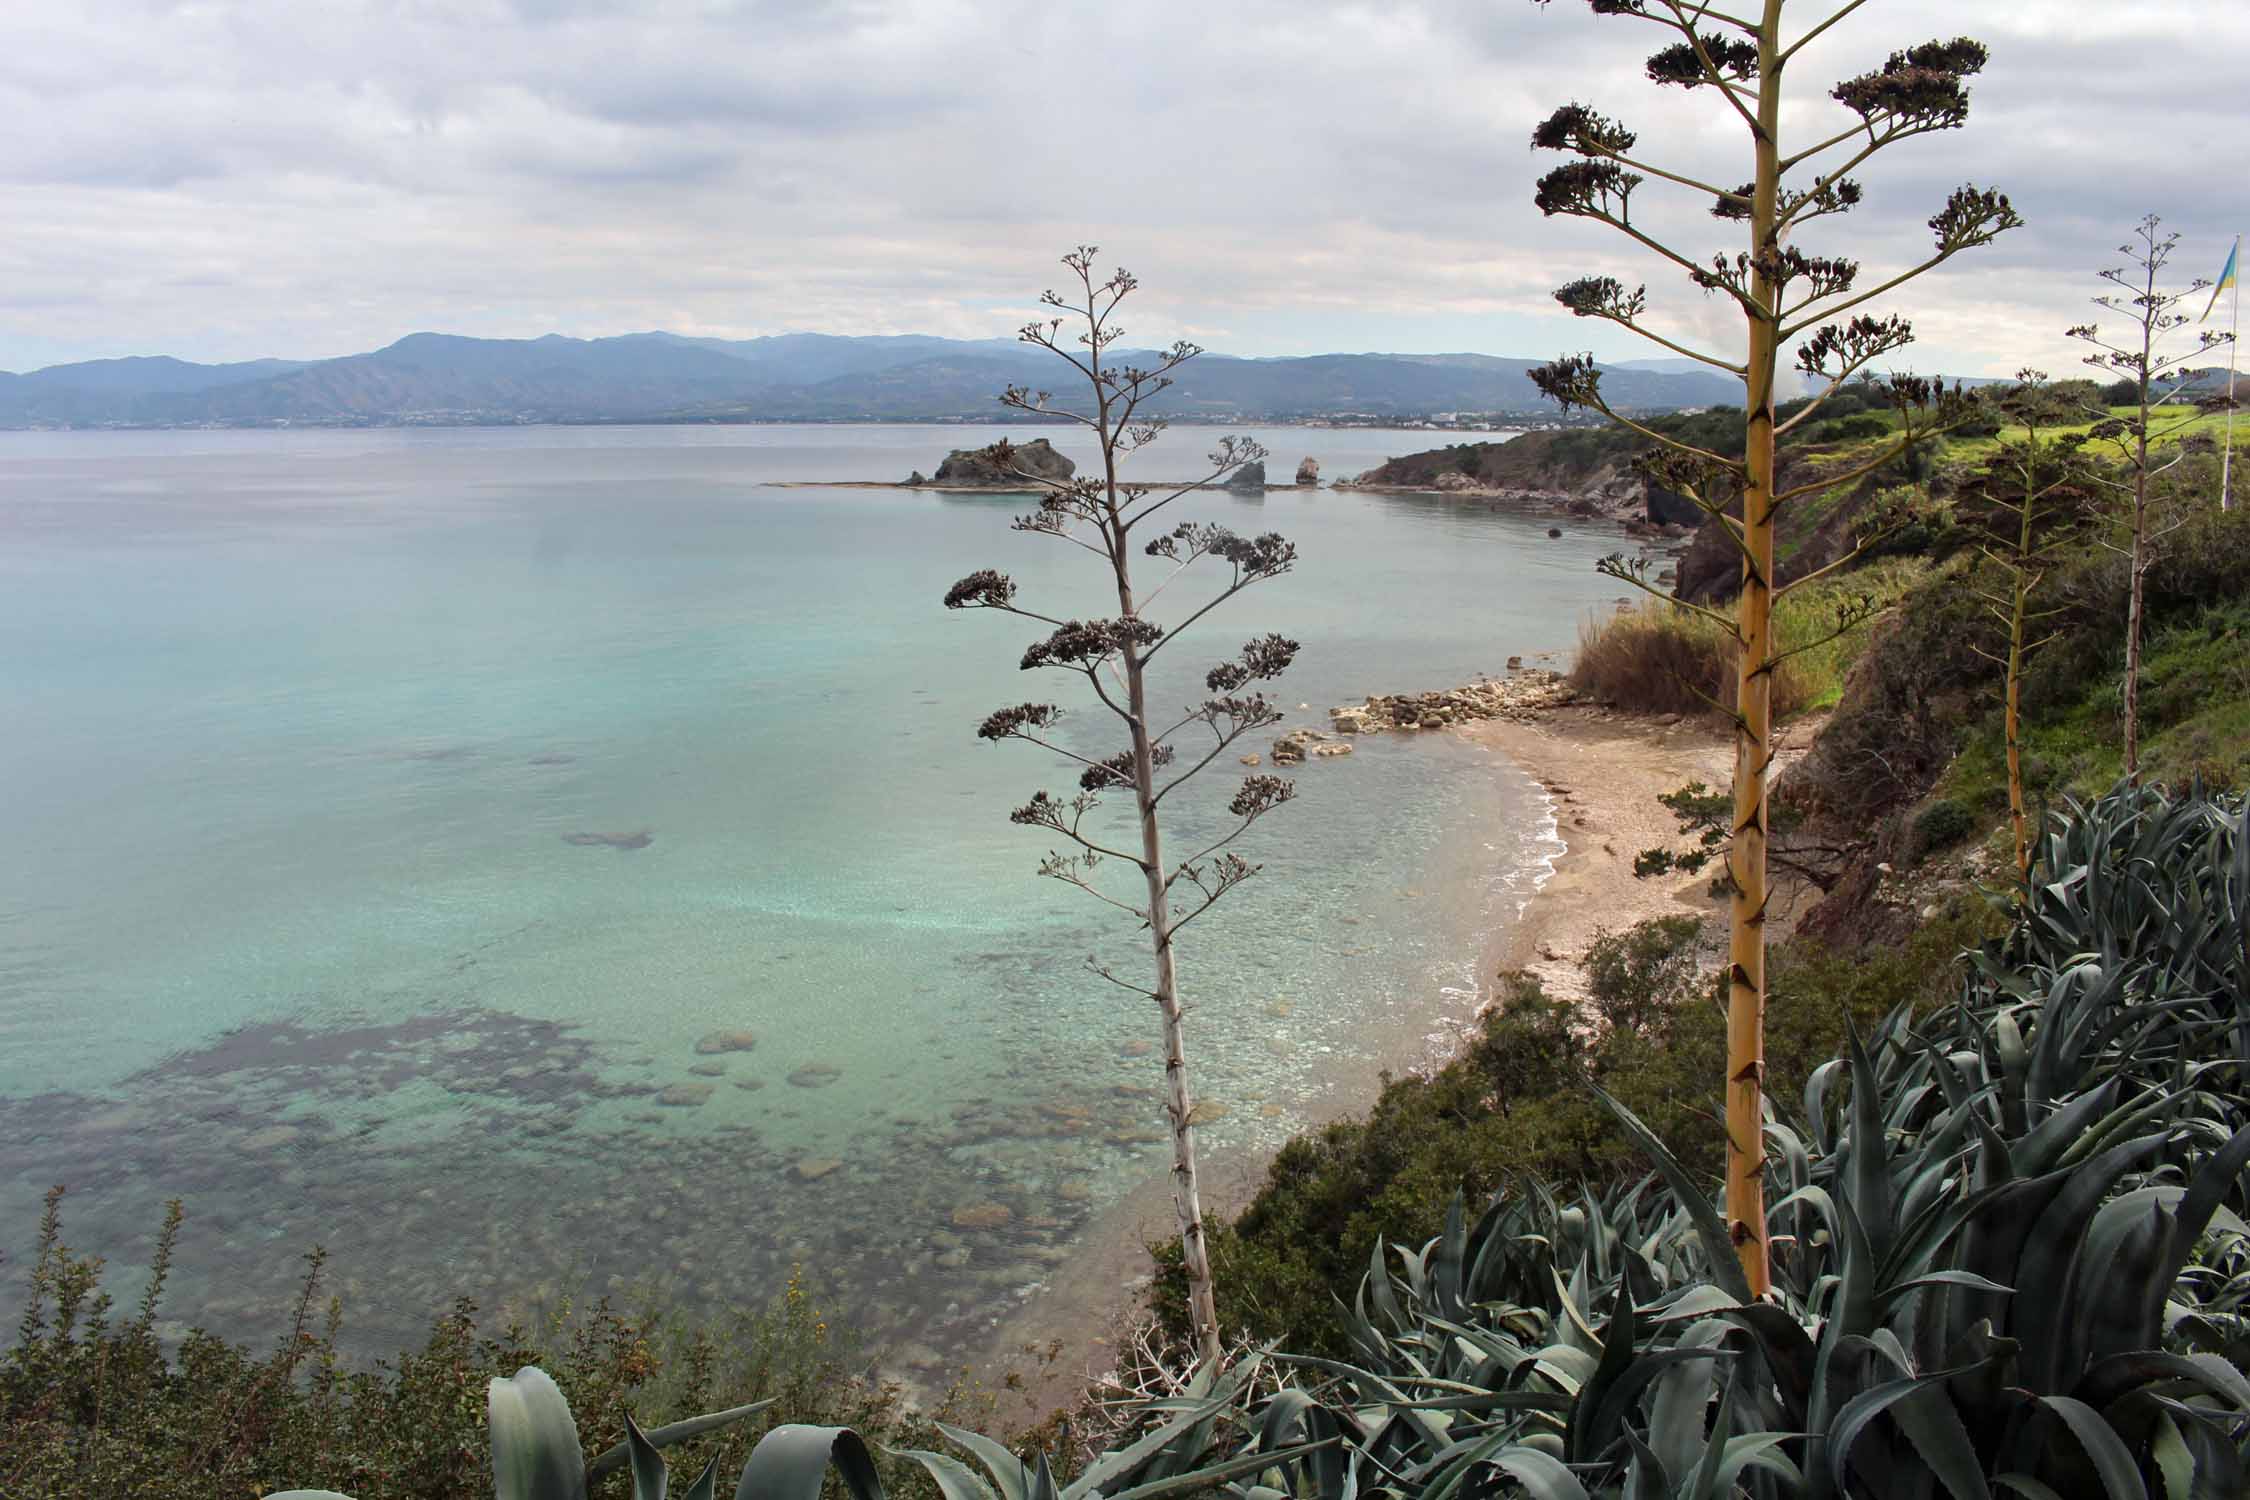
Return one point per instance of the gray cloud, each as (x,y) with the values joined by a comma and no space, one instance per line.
(231,180)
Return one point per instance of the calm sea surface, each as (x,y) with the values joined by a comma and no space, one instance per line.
(300,918)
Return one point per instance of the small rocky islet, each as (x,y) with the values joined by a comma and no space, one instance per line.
(1014,467)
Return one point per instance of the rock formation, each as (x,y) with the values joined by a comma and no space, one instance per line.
(1308,473)
(1004,465)
(1249,477)
(1521,696)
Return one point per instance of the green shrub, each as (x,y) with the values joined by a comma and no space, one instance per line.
(1853,429)
(1941,825)
(92,1403)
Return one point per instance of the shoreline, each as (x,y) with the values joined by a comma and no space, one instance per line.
(1599,773)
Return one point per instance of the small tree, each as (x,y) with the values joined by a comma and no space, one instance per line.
(1784,295)
(2025,485)
(2156,380)
(1101,514)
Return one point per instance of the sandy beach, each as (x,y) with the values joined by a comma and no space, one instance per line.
(1603,772)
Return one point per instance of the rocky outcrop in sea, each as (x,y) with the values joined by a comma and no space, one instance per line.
(1521,695)
(1003,465)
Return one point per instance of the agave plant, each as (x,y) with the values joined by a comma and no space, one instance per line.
(2009,1250)
(1293,1443)
(536,1455)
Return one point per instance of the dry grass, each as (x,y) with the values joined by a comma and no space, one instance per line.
(1660,659)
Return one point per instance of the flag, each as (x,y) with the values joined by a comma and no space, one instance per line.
(2226,279)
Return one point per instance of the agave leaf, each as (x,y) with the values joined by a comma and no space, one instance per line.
(706,1486)
(2028,1487)
(675,1432)
(1862,1410)
(1758,1450)
(1293,1416)
(955,1480)
(1123,1461)
(1541,1474)
(1592,1437)
(1718,1250)
(1219,1473)
(1451,1253)
(1677,1410)
(2120,1476)
(792,1463)
(1870,1195)
(648,1464)
(1704,1483)
(1790,1355)
(535,1452)
(1010,1473)
(2120,1374)
(1935,1429)
(2173,1460)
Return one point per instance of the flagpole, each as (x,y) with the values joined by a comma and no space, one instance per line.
(2234,346)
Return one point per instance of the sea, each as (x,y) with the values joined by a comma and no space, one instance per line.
(536,863)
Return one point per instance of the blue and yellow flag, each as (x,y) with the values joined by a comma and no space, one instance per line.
(2226,279)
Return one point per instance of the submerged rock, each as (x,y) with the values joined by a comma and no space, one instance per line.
(640,840)
(684,1095)
(981,1215)
(813,1168)
(816,1075)
(711,1043)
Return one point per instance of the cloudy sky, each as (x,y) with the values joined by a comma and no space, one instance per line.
(228,180)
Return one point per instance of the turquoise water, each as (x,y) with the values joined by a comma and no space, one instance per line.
(293,922)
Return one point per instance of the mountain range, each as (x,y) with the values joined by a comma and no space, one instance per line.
(444,379)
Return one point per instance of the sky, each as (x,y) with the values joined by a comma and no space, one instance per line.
(224,181)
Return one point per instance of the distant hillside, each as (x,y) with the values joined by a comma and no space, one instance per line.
(432,378)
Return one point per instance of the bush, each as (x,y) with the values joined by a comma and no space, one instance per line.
(1853,429)
(92,1403)
(1941,825)
(1660,658)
